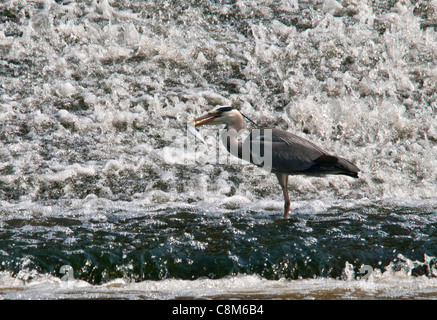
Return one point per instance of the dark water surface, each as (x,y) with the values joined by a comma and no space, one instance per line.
(182,243)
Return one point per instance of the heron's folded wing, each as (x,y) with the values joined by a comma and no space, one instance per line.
(289,153)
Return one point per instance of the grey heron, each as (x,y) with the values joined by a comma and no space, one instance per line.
(288,153)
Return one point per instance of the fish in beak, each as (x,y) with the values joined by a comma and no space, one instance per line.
(191,125)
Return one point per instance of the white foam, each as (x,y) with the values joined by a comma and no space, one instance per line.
(387,286)
(103,92)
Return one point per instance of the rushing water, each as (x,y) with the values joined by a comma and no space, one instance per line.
(103,194)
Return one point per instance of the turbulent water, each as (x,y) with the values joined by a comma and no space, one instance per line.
(103,193)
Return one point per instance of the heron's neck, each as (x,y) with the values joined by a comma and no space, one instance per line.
(229,136)
(229,139)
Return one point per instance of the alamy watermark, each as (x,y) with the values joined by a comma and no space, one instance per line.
(229,147)
(366,270)
(68,273)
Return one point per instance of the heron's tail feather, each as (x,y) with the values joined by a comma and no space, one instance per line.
(335,165)
(349,168)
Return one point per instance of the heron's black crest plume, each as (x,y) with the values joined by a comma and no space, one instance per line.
(249,119)
(225,109)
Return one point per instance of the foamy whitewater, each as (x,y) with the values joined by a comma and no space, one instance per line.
(104,193)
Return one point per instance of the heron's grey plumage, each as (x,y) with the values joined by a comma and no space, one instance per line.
(295,155)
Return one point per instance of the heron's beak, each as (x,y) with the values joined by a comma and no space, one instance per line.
(205,119)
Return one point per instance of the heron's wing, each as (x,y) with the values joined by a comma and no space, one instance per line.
(289,153)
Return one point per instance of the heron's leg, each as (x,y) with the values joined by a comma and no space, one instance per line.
(286,202)
(283,181)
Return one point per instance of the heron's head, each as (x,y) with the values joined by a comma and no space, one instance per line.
(219,115)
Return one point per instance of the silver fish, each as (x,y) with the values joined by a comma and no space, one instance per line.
(194,131)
